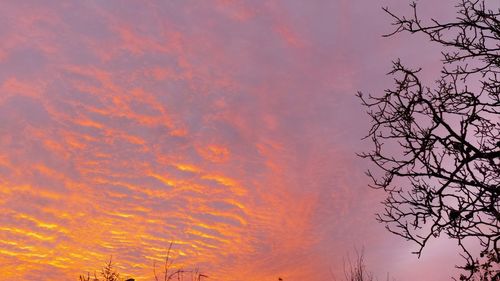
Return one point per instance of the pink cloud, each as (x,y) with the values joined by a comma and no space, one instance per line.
(229,127)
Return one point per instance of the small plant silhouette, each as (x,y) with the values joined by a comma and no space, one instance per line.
(169,273)
(108,273)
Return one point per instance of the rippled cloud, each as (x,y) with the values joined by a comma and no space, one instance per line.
(227,127)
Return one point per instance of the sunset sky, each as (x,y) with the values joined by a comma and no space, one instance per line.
(229,127)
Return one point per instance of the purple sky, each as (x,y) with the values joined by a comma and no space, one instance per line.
(229,127)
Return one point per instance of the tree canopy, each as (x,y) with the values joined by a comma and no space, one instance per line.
(436,145)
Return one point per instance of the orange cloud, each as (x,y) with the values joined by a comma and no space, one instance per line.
(209,124)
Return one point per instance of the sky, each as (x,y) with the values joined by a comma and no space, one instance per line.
(228,127)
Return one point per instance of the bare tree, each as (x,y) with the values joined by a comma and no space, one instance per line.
(357,271)
(437,147)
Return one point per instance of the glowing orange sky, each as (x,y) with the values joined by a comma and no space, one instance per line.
(228,127)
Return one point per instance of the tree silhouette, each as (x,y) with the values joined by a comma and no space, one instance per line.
(355,269)
(437,148)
